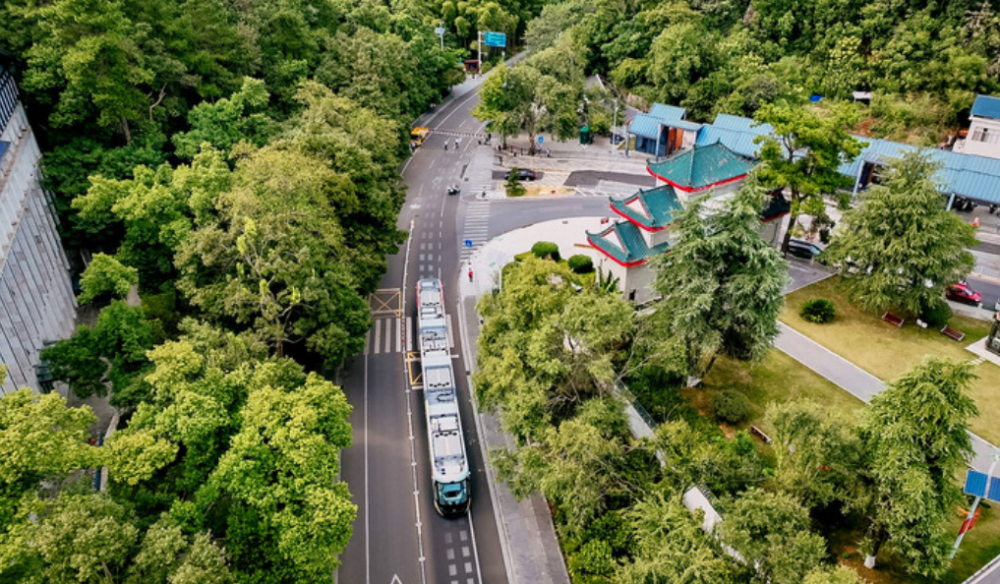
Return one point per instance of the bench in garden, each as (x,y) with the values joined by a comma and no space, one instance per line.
(893,319)
(760,434)
(952,333)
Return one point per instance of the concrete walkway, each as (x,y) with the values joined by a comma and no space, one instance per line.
(854,380)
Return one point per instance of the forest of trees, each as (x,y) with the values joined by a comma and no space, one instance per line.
(924,60)
(552,348)
(236,164)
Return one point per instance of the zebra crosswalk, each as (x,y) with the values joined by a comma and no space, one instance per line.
(394,335)
(476,228)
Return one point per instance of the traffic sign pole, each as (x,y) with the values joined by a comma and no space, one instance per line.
(972,511)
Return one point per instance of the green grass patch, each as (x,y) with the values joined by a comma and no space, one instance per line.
(886,351)
(778,378)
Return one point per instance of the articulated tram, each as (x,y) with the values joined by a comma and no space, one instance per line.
(449,464)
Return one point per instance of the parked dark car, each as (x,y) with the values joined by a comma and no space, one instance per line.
(961,292)
(523,174)
(453,189)
(803,249)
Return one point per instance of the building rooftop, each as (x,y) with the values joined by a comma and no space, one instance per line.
(700,168)
(652,209)
(624,243)
(986,106)
(968,175)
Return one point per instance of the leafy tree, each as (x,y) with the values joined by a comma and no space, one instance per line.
(167,554)
(40,437)
(721,284)
(228,121)
(771,532)
(112,351)
(89,61)
(507,101)
(917,439)
(805,152)
(577,466)
(75,538)
(901,248)
(272,260)
(281,474)
(106,275)
(838,575)
(698,457)
(672,547)
(156,210)
(513,187)
(548,349)
(819,455)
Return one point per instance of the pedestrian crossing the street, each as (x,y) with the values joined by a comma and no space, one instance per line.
(476,229)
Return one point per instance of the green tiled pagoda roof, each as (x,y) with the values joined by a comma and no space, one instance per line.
(624,243)
(701,167)
(653,209)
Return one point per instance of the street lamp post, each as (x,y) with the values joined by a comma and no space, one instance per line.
(614,123)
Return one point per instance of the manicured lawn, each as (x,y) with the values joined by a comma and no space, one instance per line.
(780,378)
(886,351)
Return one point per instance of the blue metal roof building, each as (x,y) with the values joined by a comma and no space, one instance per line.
(965,175)
(986,106)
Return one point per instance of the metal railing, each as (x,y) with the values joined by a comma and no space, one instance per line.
(8,98)
(626,394)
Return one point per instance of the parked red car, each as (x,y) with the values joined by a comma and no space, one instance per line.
(961,292)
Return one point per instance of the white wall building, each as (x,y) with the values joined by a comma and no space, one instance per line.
(984,129)
(36,296)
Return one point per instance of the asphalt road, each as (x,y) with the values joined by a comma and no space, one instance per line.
(398,537)
(990,290)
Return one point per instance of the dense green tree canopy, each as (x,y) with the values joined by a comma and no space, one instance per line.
(916,435)
(722,283)
(901,247)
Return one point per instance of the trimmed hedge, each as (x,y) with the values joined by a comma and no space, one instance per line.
(732,407)
(819,311)
(581,264)
(546,250)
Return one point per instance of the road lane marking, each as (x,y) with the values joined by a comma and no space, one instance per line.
(409,334)
(390,328)
(448,329)
(399,337)
(378,336)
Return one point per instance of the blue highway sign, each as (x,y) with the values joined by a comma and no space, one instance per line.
(495,39)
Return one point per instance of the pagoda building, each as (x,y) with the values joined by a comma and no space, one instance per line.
(643,231)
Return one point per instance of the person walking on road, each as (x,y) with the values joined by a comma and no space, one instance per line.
(457,140)
(470,274)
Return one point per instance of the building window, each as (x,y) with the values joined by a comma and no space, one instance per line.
(984,135)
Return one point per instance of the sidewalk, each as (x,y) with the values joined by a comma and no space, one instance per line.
(854,380)
(527,532)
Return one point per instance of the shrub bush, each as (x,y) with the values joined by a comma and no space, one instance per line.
(732,407)
(937,314)
(581,264)
(545,250)
(818,311)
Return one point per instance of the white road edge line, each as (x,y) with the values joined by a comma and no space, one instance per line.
(409,420)
(490,478)
(368,561)
(475,546)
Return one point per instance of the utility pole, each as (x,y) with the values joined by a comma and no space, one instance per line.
(441,35)
(479,46)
